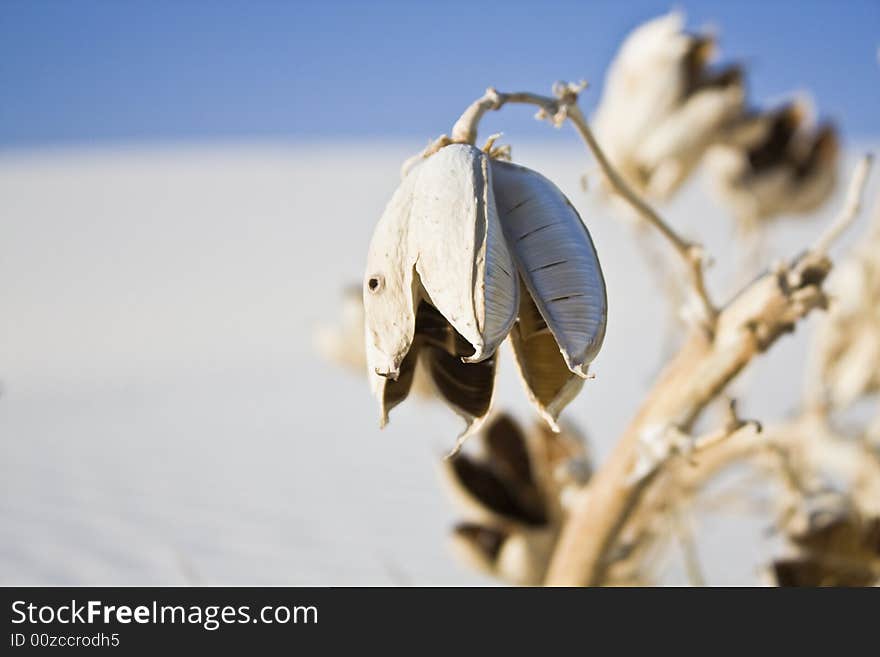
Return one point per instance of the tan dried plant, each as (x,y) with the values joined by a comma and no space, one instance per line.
(453,271)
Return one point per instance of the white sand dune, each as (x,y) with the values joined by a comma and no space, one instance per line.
(164,419)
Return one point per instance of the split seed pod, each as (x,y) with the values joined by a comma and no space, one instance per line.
(664,104)
(563,311)
(772,163)
(439,240)
(438,251)
(511,497)
(443,278)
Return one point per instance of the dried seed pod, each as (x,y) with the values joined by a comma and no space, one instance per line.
(556,259)
(443,279)
(772,163)
(663,106)
(342,343)
(478,545)
(459,250)
(511,498)
(467,387)
(549,382)
(392,391)
(442,225)
(670,153)
(491,496)
(645,82)
(435,359)
(390,289)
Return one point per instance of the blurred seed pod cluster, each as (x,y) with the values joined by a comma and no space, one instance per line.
(512,496)
(774,163)
(829,510)
(666,105)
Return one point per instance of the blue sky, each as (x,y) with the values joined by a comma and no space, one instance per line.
(83,72)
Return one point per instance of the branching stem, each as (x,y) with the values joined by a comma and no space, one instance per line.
(851,206)
(767,309)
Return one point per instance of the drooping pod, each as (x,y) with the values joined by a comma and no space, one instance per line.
(470,250)
(511,496)
(435,359)
(461,257)
(664,104)
(548,381)
(774,163)
(556,260)
(390,289)
(467,387)
(676,146)
(440,282)
(644,84)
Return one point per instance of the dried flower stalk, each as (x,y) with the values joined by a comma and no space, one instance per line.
(708,361)
(748,326)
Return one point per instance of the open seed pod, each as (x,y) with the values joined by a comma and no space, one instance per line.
(468,249)
(342,342)
(511,497)
(437,353)
(664,104)
(773,163)
(671,152)
(439,240)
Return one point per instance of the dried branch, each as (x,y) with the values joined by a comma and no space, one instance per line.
(767,309)
(663,489)
(660,447)
(803,455)
(874,230)
(557,109)
(692,254)
(851,207)
(817,396)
